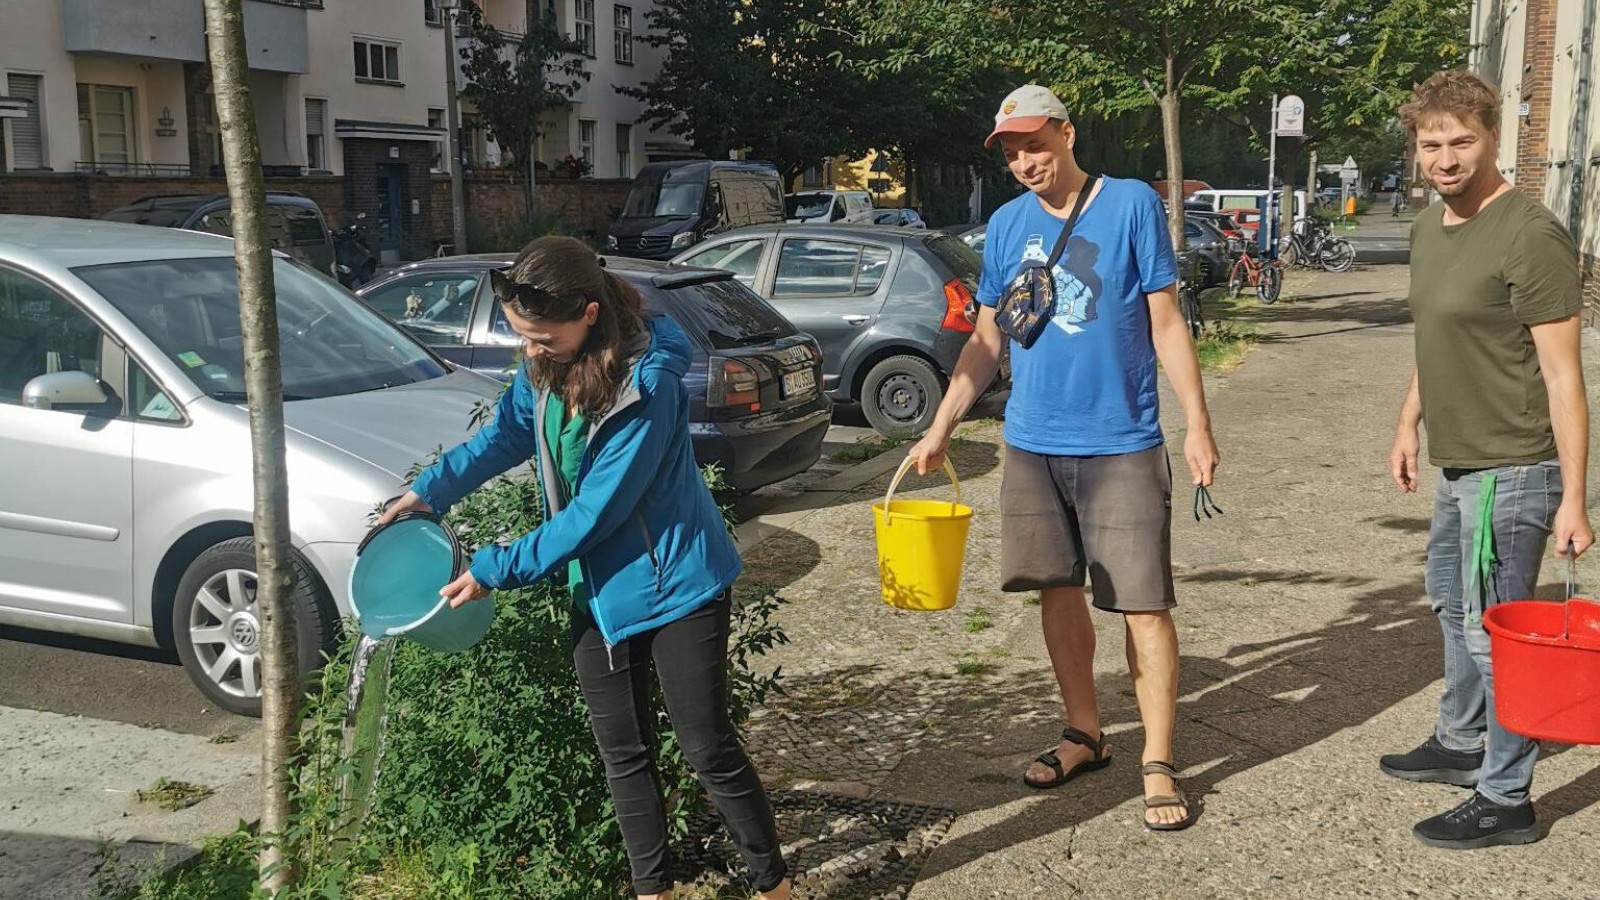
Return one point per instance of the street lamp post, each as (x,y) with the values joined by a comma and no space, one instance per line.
(458,203)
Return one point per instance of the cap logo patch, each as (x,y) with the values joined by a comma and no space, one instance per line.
(1009,108)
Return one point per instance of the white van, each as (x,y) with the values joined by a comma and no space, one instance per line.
(1226,200)
(829,206)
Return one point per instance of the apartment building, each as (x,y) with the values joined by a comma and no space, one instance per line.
(1542,55)
(348,88)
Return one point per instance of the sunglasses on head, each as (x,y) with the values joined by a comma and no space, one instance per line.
(528,296)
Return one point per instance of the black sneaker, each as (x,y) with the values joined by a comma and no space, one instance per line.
(1433,762)
(1479,823)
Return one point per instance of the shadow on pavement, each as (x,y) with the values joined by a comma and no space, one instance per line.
(1256,703)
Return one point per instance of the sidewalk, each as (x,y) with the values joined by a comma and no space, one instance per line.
(1308,650)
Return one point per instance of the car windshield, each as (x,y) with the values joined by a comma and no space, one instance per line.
(170,212)
(330,344)
(808,206)
(664,196)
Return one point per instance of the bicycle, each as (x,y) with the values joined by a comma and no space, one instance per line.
(1265,276)
(1318,248)
(1188,296)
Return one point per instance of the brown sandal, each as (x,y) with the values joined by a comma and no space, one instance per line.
(1100,760)
(1163,801)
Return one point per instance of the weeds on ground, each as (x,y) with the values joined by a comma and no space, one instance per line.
(173,795)
(869,448)
(491,783)
(978,620)
(1224,345)
(971,666)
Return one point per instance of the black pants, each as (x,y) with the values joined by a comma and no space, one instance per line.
(690,658)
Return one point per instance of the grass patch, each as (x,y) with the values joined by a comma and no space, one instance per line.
(978,620)
(869,448)
(973,667)
(174,795)
(1224,345)
(223,738)
(1032,599)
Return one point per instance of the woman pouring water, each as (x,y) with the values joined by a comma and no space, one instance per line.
(599,404)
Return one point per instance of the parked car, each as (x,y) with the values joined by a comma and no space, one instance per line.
(829,206)
(889,306)
(674,205)
(905,218)
(756,408)
(1213,260)
(125,513)
(294,222)
(970,233)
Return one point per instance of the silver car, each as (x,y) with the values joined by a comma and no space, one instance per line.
(126,502)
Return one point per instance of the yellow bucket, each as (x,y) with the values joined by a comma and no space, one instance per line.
(921,544)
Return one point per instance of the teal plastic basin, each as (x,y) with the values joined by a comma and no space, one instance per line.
(395,582)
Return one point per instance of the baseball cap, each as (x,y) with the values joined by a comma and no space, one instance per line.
(1027,109)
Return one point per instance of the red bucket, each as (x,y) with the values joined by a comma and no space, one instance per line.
(1547,668)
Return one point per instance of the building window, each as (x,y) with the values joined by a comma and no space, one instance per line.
(583,30)
(624,151)
(586,142)
(431,13)
(622,35)
(316,131)
(27,133)
(436,122)
(811,177)
(105,123)
(377,61)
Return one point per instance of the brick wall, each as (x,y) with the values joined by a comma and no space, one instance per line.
(1538,64)
(493,198)
(84,196)
(364,161)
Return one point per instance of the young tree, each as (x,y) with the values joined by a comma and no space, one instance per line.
(514,82)
(258,319)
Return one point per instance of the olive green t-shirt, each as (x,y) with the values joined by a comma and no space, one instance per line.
(1475,289)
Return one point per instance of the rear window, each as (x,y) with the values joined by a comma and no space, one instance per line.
(960,259)
(724,314)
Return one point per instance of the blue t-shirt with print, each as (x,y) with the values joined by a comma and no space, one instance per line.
(1087,387)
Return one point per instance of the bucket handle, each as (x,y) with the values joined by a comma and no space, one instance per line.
(1572,591)
(901,473)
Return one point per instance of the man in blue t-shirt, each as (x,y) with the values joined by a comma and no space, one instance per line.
(1087,491)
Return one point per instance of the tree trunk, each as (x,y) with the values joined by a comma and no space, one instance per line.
(1170,120)
(531,161)
(258,318)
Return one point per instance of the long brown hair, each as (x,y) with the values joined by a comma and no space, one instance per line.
(555,279)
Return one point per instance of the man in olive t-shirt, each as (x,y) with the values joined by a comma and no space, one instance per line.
(1495,295)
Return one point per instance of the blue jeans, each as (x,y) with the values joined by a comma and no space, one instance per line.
(1525,502)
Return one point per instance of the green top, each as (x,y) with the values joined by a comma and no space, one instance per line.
(1475,289)
(567,439)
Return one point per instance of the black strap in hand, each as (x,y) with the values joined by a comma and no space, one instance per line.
(1072,220)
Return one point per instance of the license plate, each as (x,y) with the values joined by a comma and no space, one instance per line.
(796,384)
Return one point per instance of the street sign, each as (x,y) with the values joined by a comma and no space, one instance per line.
(1349,172)
(1291,117)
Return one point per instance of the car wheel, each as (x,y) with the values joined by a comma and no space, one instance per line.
(901,395)
(217,631)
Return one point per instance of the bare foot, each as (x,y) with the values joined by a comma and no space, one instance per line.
(1159,785)
(1070,753)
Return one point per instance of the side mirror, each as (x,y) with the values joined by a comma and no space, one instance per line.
(59,389)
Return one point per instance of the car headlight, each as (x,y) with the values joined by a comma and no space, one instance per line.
(682,241)
(611,242)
